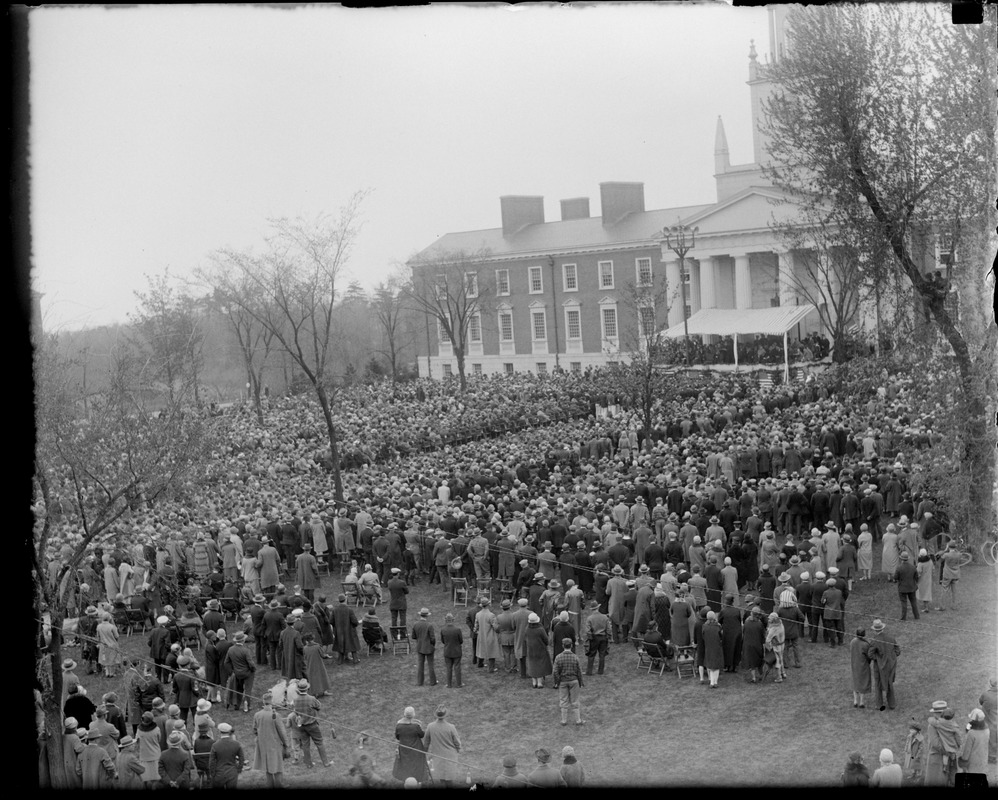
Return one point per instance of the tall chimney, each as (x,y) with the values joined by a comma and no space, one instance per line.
(575,208)
(620,198)
(518,211)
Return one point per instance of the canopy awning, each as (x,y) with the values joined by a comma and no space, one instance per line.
(731,321)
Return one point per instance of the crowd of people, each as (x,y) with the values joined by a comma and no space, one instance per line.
(725,537)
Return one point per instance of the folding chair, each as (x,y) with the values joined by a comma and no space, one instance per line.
(231,606)
(369,594)
(344,558)
(120,617)
(655,658)
(684,662)
(484,588)
(399,635)
(350,590)
(506,590)
(644,659)
(459,591)
(373,639)
(323,564)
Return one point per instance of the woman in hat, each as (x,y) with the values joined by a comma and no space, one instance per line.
(923,572)
(571,770)
(315,669)
(69,678)
(753,643)
(713,655)
(680,613)
(536,650)
(148,737)
(94,766)
(846,560)
(510,777)
(410,761)
(974,754)
(889,555)
(860,664)
(443,745)
(72,746)
(864,552)
(943,745)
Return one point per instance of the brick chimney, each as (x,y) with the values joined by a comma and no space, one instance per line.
(575,208)
(518,211)
(620,198)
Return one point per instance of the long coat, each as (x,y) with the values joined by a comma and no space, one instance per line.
(271,741)
(889,554)
(270,567)
(443,746)
(536,647)
(326,636)
(860,663)
(730,620)
(411,759)
(345,625)
(865,553)
(130,770)
(291,647)
(681,613)
(520,626)
(110,653)
(95,768)
(644,609)
(150,750)
(315,669)
(713,650)
(616,590)
(753,637)
(71,749)
(924,571)
(307,570)
(487,633)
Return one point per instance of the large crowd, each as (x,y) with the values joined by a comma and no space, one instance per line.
(721,539)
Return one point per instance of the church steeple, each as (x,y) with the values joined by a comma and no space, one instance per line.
(722,159)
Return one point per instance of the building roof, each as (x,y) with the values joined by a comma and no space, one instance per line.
(729,321)
(637,229)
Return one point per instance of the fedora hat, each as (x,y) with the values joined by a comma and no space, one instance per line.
(877,626)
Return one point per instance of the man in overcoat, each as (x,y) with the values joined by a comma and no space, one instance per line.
(345,624)
(426,643)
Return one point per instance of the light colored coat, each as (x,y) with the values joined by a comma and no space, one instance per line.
(487,633)
(443,746)
(271,741)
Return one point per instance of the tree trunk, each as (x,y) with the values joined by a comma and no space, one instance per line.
(459,355)
(334,451)
(255,383)
(48,666)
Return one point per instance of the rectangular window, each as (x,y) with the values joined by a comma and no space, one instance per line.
(476,370)
(502,282)
(643,269)
(686,274)
(605,274)
(573,323)
(448,370)
(505,326)
(647,321)
(471,284)
(542,368)
(508,368)
(475,328)
(539,326)
(575,367)
(441,287)
(571,274)
(609,323)
(444,337)
(536,281)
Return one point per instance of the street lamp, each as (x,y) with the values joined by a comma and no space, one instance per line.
(676,240)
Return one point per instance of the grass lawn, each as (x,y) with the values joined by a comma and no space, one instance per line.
(649,730)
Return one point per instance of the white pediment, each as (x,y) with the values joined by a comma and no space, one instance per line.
(754,208)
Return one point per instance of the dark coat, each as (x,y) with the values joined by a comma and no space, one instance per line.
(226,761)
(452,639)
(425,637)
(293,651)
(239,661)
(753,638)
(536,650)
(410,762)
(680,627)
(730,620)
(345,625)
(184,691)
(713,650)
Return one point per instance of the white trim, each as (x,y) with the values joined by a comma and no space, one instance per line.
(599,274)
(530,280)
(609,344)
(506,346)
(637,273)
(474,276)
(500,293)
(564,277)
(573,344)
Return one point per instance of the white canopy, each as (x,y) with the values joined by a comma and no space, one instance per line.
(730,321)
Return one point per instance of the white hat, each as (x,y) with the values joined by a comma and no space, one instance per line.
(886,756)
(162,620)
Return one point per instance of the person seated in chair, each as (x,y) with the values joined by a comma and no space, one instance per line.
(190,625)
(216,580)
(230,597)
(374,635)
(369,584)
(655,641)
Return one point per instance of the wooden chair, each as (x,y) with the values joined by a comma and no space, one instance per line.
(120,617)
(368,594)
(344,558)
(484,588)
(399,637)
(684,661)
(506,591)
(653,657)
(459,591)
(323,564)
(350,590)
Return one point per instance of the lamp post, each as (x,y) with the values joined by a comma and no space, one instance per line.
(676,240)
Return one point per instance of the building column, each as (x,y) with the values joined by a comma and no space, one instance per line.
(785,267)
(708,282)
(674,291)
(743,282)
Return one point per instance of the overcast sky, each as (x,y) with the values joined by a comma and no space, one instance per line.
(160,134)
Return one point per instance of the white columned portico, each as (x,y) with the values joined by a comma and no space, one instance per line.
(743,281)
(674,291)
(785,269)
(708,283)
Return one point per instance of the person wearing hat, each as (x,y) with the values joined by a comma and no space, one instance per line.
(452,641)
(272,742)
(832,605)
(773,646)
(410,762)
(184,687)
(536,651)
(443,746)
(397,603)
(128,766)
(544,774)
(950,561)
(202,716)
(914,744)
(307,572)
(72,746)
(616,592)
(889,554)
(510,777)
(69,678)
(345,624)
(521,617)
(426,642)
(974,754)
(159,646)
(307,709)
(94,766)
(239,665)
(883,652)
(486,633)
(226,759)
(204,740)
(270,567)
(943,745)
(506,632)
(175,763)
(907,581)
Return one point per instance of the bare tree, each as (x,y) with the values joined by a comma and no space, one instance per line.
(390,310)
(95,472)
(452,290)
(293,294)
